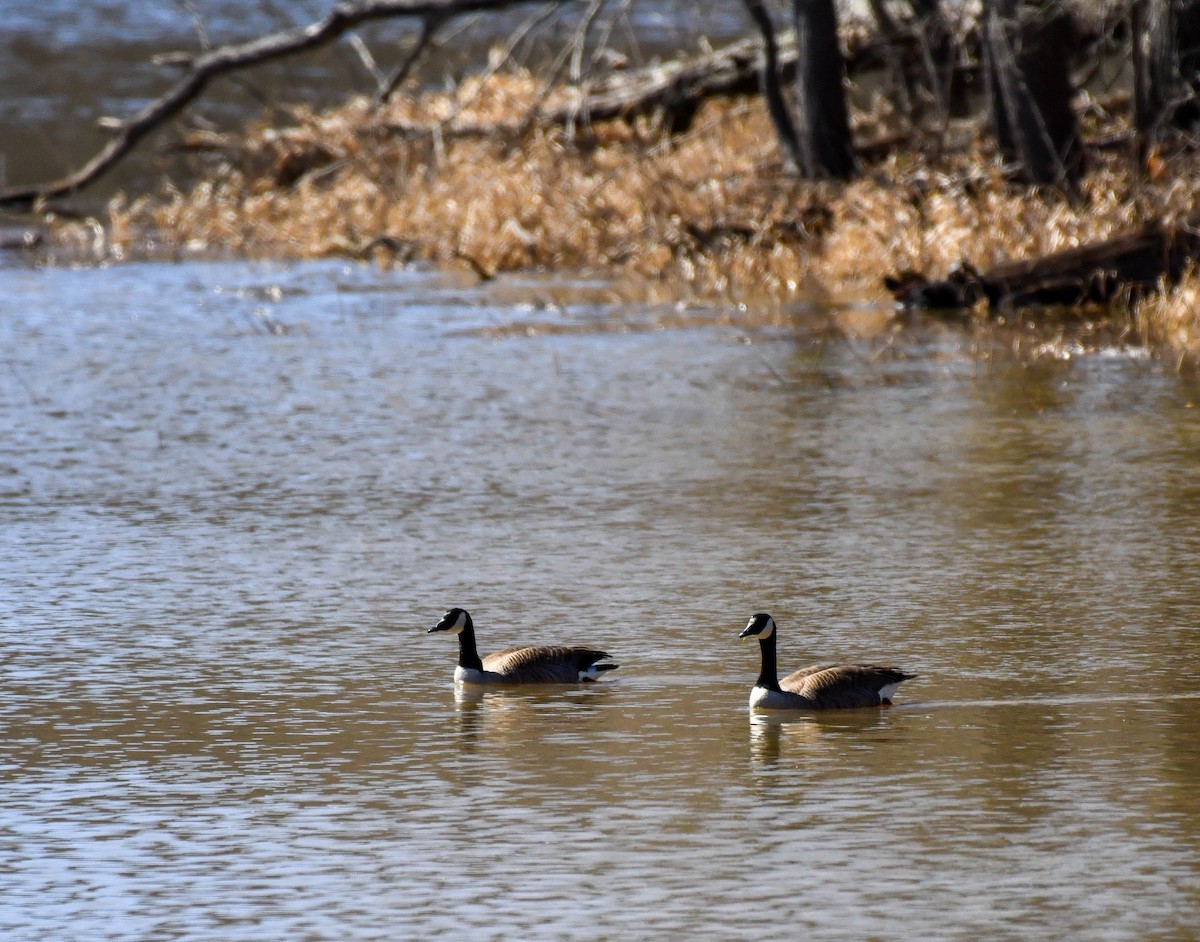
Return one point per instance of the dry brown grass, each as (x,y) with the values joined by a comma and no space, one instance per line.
(707,213)
(1170,322)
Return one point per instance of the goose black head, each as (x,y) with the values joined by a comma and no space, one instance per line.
(761,625)
(455,621)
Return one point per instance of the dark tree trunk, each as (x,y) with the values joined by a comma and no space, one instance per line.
(826,147)
(772,84)
(1166,68)
(1026,60)
(944,82)
(920,55)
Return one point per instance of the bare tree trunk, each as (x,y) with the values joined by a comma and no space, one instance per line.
(772,84)
(1029,89)
(1166,67)
(940,78)
(826,146)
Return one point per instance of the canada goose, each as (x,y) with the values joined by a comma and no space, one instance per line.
(820,687)
(533,664)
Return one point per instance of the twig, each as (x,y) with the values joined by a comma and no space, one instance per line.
(367,60)
(387,87)
(209,65)
(498,62)
(579,44)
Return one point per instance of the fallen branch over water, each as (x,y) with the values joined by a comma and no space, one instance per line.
(675,88)
(672,91)
(204,68)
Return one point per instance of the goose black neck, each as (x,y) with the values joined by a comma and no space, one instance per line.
(768,676)
(468,654)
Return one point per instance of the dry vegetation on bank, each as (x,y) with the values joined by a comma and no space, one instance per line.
(708,213)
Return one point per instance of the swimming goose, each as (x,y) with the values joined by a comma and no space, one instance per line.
(534,664)
(820,687)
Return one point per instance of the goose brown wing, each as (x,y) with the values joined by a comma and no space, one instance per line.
(796,678)
(542,663)
(842,686)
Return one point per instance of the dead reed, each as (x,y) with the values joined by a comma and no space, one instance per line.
(458,178)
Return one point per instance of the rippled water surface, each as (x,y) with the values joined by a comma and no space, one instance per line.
(234,497)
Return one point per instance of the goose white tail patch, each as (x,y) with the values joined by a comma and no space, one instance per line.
(594,672)
(887,692)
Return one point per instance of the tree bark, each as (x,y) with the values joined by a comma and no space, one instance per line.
(1166,68)
(826,145)
(772,84)
(1029,91)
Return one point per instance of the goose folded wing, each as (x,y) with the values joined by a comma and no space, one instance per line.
(544,663)
(843,685)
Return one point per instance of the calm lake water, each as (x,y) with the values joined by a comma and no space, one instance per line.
(235,495)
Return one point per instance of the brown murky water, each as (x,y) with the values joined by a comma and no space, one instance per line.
(234,496)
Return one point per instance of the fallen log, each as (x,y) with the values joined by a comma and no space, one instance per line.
(1124,267)
(675,88)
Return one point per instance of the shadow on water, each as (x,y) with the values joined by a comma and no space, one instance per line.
(468,695)
(812,734)
(505,712)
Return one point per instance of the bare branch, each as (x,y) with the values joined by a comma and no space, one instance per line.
(429,27)
(498,62)
(670,85)
(209,65)
(602,44)
(581,38)
(367,60)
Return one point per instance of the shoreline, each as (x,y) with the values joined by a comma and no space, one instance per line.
(709,214)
